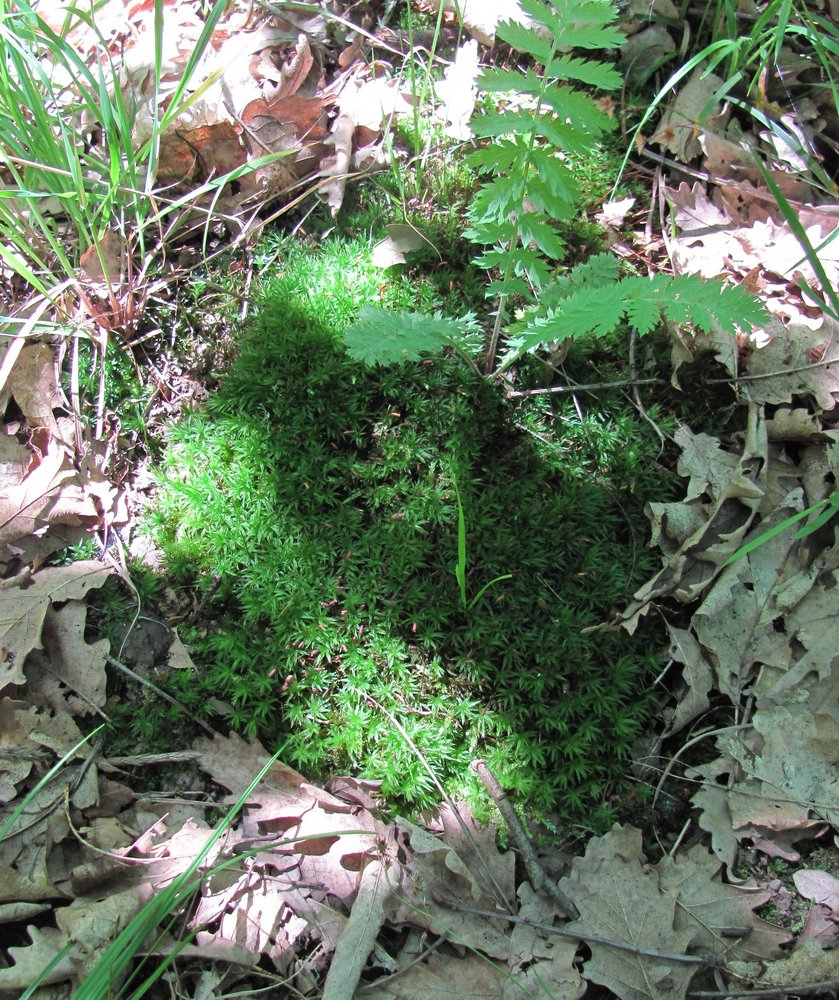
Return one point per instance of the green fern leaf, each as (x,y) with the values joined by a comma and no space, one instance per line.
(526,39)
(497,200)
(592,310)
(380,337)
(574,24)
(643,312)
(498,123)
(566,136)
(593,74)
(503,155)
(537,229)
(578,109)
(558,178)
(496,80)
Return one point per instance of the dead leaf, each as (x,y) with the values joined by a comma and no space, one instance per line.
(445,976)
(70,663)
(797,361)
(645,49)
(821,887)
(722,915)
(30,961)
(693,111)
(401,239)
(698,537)
(458,91)
(22,611)
(541,964)
(437,871)
(622,901)
(477,847)
(32,382)
(612,214)
(481,17)
(697,679)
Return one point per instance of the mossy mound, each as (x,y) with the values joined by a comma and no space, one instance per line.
(317,497)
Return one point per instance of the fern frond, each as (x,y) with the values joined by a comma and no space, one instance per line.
(587,25)
(593,74)
(526,40)
(589,302)
(380,337)
(528,184)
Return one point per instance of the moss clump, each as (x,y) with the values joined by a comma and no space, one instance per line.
(321,495)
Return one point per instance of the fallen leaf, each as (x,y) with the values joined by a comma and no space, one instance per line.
(401,239)
(621,900)
(458,91)
(821,887)
(22,611)
(722,915)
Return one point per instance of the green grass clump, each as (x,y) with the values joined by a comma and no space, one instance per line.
(321,494)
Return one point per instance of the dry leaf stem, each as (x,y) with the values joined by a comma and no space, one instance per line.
(703,960)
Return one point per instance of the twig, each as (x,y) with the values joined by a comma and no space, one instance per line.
(18,580)
(423,955)
(176,756)
(783,371)
(704,960)
(825,987)
(636,395)
(535,872)
(588,387)
(161,694)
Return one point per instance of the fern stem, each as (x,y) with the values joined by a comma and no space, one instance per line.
(492,346)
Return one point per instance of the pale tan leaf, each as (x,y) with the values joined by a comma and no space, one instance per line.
(807,964)
(621,900)
(482,17)
(477,847)
(76,663)
(458,91)
(722,915)
(541,964)
(821,887)
(22,612)
(694,110)
(326,839)
(644,49)
(378,882)
(797,361)
(709,529)
(445,976)
(401,239)
(33,384)
(437,872)
(29,961)
(697,679)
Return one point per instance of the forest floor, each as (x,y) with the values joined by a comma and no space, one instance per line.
(262,600)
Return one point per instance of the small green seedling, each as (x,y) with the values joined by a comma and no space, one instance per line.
(460,565)
(828,507)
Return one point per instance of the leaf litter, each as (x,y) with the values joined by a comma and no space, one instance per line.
(308,869)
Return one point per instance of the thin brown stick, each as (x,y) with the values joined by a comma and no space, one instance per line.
(587,387)
(776,374)
(703,960)
(825,987)
(161,694)
(535,872)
